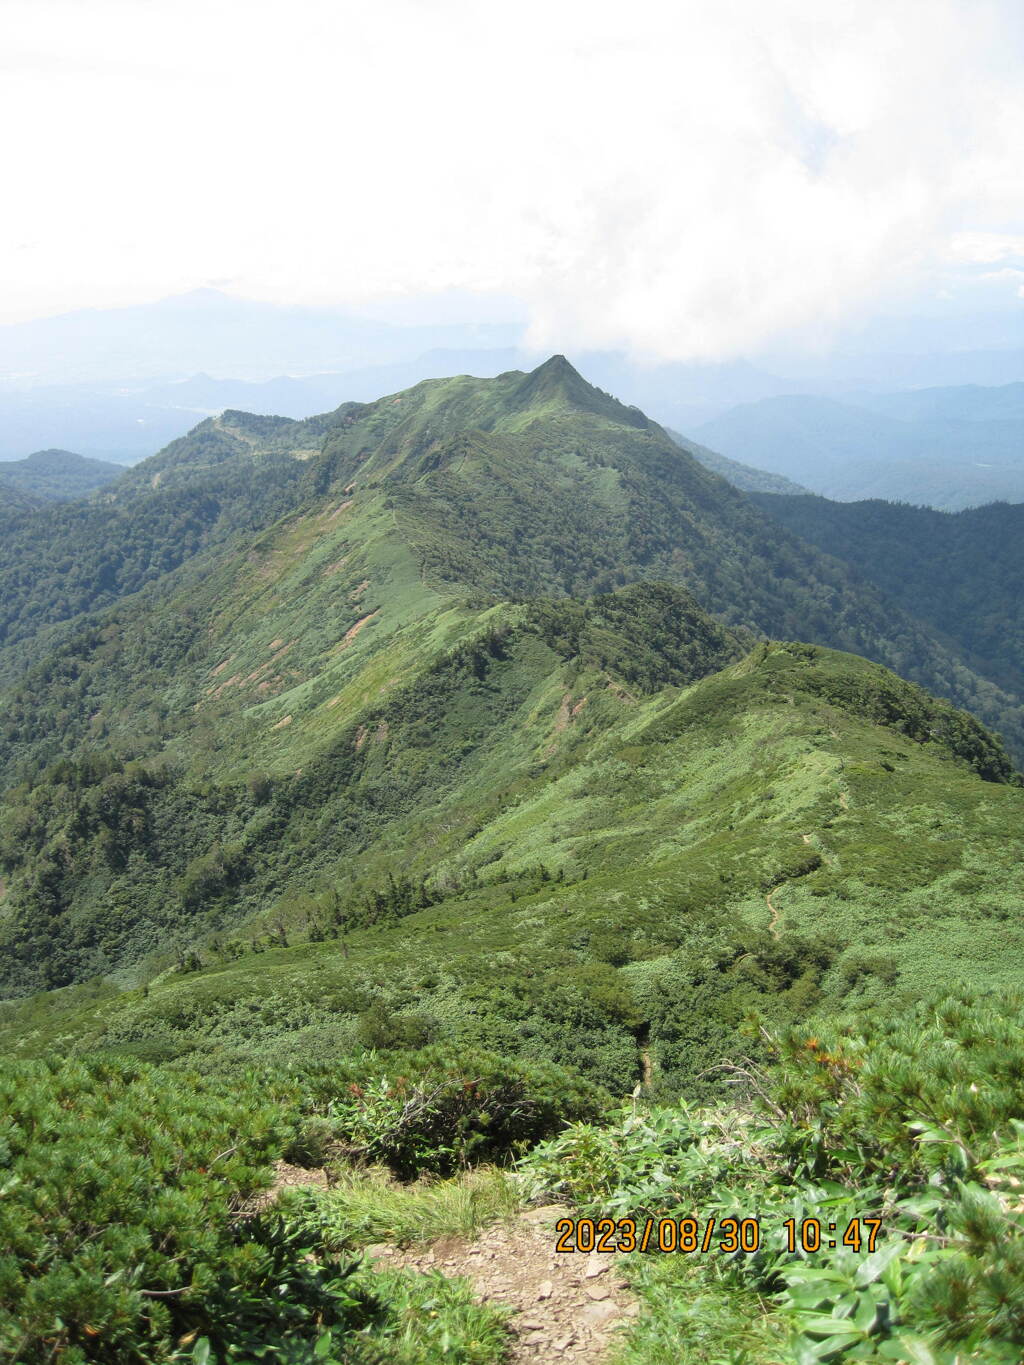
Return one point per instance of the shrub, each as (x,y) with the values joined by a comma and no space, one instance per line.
(439,1109)
(122,1227)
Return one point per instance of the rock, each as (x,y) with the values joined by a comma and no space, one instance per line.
(596,1314)
(596,1291)
(547,1213)
(546,1289)
(596,1265)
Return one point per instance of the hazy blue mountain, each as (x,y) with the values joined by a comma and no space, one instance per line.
(960,403)
(209,330)
(848,453)
(739,475)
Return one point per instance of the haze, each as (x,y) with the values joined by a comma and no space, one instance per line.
(673,180)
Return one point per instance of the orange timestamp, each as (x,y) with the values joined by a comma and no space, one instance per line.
(729,1236)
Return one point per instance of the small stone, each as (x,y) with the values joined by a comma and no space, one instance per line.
(531,1326)
(379,1249)
(631,1310)
(564,1344)
(547,1213)
(536,1338)
(597,1291)
(594,1314)
(546,1290)
(596,1267)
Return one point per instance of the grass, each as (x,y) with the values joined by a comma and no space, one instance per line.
(431,1320)
(686,1315)
(366,1206)
(662,822)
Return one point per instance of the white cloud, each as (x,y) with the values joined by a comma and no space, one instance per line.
(679,178)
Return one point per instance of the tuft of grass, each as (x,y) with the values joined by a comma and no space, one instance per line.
(433,1320)
(367,1206)
(685,1315)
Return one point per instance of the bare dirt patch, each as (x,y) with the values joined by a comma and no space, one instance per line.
(353,631)
(565,1307)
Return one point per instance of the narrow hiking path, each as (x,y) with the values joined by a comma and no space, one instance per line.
(773,923)
(565,1306)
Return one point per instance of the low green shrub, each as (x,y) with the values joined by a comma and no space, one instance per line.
(918,1122)
(123,1235)
(438,1109)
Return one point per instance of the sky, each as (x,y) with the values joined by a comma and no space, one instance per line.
(677,179)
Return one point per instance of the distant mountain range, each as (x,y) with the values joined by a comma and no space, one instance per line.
(739,475)
(121,384)
(946,448)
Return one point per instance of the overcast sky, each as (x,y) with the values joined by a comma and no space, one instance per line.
(682,178)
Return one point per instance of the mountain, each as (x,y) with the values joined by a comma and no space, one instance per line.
(209,330)
(960,403)
(446,638)
(57,475)
(962,572)
(742,476)
(130,420)
(850,453)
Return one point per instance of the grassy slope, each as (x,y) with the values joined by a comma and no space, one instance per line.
(683,813)
(268,749)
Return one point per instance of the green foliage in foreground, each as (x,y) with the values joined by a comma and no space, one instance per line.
(129,1231)
(916,1121)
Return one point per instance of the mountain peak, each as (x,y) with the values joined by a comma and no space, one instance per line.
(557,364)
(558,383)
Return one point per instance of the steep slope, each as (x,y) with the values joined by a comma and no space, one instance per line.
(962,573)
(342,667)
(57,475)
(608,871)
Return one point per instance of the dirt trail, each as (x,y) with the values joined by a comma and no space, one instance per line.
(566,1305)
(773,923)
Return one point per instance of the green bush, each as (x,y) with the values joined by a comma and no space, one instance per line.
(917,1121)
(438,1109)
(123,1232)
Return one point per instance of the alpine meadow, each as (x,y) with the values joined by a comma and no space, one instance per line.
(465,811)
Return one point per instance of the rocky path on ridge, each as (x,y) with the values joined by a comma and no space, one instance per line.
(566,1307)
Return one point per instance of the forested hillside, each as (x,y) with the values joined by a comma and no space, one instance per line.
(57,475)
(253,627)
(742,476)
(963,572)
